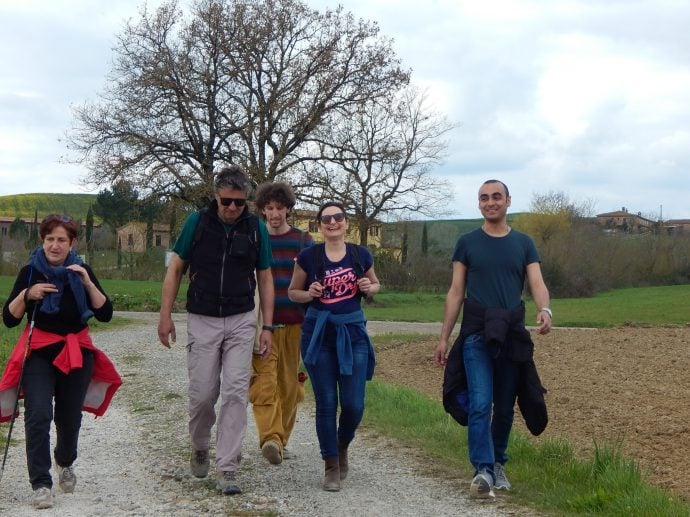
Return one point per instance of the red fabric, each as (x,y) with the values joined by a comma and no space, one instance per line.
(104,381)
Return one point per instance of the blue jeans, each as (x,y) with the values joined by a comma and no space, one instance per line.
(41,383)
(492,388)
(329,385)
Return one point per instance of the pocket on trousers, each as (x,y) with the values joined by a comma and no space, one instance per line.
(258,394)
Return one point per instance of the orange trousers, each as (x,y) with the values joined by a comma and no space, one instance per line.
(274,389)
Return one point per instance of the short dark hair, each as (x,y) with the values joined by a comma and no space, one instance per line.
(277,192)
(498,181)
(52,221)
(328,204)
(232,177)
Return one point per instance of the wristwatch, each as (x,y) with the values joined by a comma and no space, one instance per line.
(547,311)
(268,327)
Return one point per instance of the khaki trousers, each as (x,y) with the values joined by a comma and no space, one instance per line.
(219,355)
(274,390)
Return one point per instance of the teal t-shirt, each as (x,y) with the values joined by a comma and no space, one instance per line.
(496,266)
(183,244)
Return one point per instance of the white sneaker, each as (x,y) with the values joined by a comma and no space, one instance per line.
(482,485)
(67,479)
(502,482)
(43,498)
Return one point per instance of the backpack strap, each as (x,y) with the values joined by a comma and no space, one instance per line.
(302,238)
(353,251)
(198,233)
(201,226)
(199,230)
(320,256)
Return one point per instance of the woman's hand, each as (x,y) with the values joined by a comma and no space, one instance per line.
(369,284)
(83,275)
(315,290)
(364,285)
(38,291)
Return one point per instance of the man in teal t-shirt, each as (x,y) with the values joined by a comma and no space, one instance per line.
(228,253)
(490,265)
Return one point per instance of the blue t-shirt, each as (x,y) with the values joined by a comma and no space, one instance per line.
(496,266)
(340,290)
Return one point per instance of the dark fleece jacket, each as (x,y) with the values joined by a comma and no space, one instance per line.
(506,336)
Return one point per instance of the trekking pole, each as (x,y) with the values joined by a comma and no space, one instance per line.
(19,387)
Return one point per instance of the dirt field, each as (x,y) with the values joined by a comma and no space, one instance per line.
(629,384)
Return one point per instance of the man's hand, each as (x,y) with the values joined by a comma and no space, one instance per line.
(166,331)
(440,354)
(543,322)
(265,343)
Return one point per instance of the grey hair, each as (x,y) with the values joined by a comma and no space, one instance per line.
(232,177)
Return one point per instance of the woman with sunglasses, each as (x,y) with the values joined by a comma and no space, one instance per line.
(59,293)
(332,278)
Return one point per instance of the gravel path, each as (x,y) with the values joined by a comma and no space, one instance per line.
(134,460)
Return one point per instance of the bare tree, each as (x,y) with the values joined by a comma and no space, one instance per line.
(234,81)
(379,159)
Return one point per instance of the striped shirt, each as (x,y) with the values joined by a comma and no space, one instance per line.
(285,248)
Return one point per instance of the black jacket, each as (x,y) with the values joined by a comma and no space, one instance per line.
(506,336)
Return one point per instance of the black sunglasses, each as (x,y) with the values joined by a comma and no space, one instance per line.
(338,218)
(57,217)
(227,201)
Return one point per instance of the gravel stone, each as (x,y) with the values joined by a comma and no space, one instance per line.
(134,461)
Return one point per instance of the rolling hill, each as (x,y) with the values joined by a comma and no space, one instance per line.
(25,205)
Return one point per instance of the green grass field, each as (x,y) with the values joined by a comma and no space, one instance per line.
(636,306)
(646,305)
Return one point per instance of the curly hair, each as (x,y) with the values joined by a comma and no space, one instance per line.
(275,192)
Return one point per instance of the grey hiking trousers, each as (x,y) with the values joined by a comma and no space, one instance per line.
(219,359)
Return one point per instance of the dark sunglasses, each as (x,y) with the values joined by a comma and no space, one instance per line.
(57,217)
(338,218)
(227,201)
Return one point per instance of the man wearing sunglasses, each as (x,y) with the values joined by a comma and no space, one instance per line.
(228,253)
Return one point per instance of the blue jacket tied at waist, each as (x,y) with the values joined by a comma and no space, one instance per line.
(343,341)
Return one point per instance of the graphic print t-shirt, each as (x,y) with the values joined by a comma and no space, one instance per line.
(340,291)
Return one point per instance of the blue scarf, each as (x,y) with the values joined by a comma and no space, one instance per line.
(58,275)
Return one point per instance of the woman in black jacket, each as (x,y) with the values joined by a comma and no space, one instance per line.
(60,293)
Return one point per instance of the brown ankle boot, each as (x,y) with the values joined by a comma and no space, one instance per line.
(342,461)
(331,481)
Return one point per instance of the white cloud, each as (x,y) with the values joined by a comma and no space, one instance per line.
(587,97)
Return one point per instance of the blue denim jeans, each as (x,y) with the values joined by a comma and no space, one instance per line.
(329,386)
(492,387)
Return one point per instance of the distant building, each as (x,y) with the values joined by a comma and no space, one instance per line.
(623,221)
(6,222)
(132,237)
(677,226)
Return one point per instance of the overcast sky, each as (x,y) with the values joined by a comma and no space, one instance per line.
(591,98)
